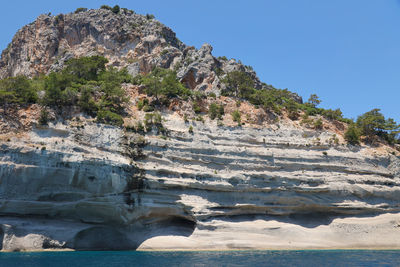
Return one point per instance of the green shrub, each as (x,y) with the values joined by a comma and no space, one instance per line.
(200,118)
(215,111)
(17,90)
(69,96)
(139,127)
(191,129)
(292,108)
(137,80)
(345,120)
(236,117)
(106,7)
(219,72)
(44,117)
(198,96)
(113,96)
(86,101)
(142,103)
(221,111)
(332,114)
(116,9)
(270,99)
(352,135)
(163,83)
(374,123)
(238,84)
(154,120)
(80,9)
(313,100)
(85,68)
(318,125)
(212,95)
(6,97)
(311,111)
(148,108)
(81,80)
(150,16)
(127,11)
(57,20)
(109,117)
(196,107)
(371,122)
(307,121)
(55,83)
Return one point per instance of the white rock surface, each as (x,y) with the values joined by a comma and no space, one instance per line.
(218,188)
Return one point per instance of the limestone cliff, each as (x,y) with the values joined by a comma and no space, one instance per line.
(83,185)
(126,39)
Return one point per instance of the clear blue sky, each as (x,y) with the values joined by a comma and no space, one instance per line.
(345,51)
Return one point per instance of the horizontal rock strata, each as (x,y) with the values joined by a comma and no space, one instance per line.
(64,187)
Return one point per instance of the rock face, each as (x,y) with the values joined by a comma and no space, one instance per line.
(84,182)
(126,39)
(219,187)
(81,185)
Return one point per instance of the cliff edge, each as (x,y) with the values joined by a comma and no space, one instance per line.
(173,176)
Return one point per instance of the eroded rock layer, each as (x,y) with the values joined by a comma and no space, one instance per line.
(97,187)
(81,185)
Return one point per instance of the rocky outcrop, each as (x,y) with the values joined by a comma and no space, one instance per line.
(77,184)
(236,171)
(48,42)
(126,39)
(85,179)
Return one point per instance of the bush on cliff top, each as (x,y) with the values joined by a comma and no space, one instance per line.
(80,9)
(216,111)
(373,123)
(85,82)
(17,90)
(239,84)
(163,85)
(352,135)
(84,78)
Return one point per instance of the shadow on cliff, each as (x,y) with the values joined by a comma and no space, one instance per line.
(82,236)
(306,220)
(112,238)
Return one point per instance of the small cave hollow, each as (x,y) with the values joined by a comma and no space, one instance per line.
(102,238)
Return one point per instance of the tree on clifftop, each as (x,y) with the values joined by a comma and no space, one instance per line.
(238,84)
(374,123)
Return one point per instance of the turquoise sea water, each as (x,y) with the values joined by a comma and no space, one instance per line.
(205,258)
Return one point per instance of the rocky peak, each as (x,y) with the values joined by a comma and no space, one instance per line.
(126,39)
(42,45)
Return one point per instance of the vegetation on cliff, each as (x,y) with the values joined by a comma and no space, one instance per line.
(166,71)
(87,83)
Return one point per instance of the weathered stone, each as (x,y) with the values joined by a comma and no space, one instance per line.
(82,185)
(189,182)
(125,39)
